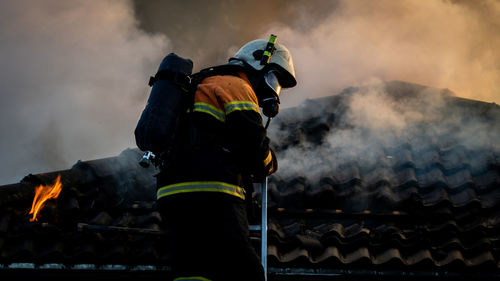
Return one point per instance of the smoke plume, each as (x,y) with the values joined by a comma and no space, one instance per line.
(73,82)
(378,128)
(444,44)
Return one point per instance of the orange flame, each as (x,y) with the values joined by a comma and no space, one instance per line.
(42,194)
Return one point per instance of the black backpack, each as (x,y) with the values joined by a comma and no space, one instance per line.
(160,119)
(172,95)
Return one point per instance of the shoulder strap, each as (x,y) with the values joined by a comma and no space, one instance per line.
(196,78)
(225,69)
(182,80)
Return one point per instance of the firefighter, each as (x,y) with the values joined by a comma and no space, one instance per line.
(201,196)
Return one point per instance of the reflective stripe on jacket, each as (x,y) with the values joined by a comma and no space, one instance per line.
(201,186)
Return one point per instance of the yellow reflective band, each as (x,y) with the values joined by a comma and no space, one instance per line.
(201,186)
(267,53)
(268,159)
(209,109)
(240,105)
(194,278)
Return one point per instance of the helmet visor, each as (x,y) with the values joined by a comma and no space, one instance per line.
(272,82)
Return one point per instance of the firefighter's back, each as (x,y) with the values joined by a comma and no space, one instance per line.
(201,195)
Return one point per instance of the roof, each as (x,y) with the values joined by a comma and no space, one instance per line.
(386,180)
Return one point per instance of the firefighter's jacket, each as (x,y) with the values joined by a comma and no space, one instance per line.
(226,142)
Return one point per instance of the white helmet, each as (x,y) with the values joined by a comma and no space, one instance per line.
(251,54)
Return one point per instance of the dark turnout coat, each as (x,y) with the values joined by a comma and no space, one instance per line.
(227,142)
(201,194)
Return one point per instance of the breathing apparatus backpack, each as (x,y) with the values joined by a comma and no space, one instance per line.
(168,101)
(164,119)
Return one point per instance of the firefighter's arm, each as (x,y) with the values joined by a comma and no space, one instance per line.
(251,144)
(247,135)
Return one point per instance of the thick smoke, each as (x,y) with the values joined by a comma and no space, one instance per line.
(444,44)
(380,125)
(73,82)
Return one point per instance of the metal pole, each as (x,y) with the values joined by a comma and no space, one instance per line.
(263,229)
(263,225)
